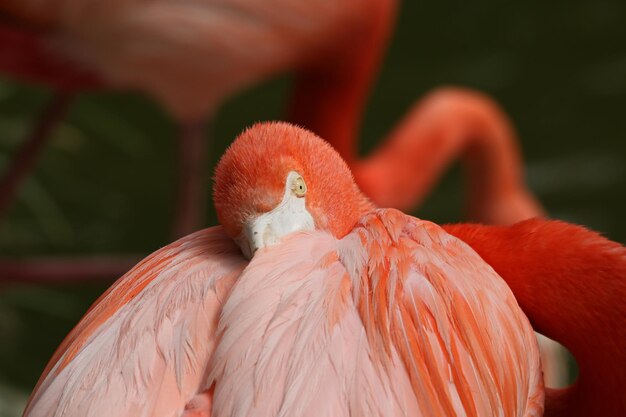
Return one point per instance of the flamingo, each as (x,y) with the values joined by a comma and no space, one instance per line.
(191,55)
(140,45)
(307,300)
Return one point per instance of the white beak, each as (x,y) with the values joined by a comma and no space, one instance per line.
(289,216)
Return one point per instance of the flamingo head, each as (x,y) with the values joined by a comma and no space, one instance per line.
(276,179)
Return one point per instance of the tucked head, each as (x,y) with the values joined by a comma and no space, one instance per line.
(277,179)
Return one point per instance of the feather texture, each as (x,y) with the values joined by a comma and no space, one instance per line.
(142,349)
(468,348)
(292,343)
(398,318)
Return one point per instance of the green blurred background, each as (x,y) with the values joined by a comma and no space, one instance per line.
(105,181)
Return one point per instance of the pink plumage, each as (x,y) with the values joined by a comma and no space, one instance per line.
(388,317)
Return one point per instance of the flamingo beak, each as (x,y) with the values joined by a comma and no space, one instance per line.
(289,216)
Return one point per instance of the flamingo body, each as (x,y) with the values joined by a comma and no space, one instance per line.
(304,329)
(190,55)
(374,314)
(388,321)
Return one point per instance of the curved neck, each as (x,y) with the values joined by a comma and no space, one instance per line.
(571,283)
(445,125)
(329,96)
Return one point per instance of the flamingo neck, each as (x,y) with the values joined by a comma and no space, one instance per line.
(571,284)
(591,325)
(329,98)
(446,124)
(493,161)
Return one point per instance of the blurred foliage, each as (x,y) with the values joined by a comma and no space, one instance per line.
(105,181)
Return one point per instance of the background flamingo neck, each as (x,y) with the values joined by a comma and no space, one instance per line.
(493,161)
(329,97)
(447,124)
(571,284)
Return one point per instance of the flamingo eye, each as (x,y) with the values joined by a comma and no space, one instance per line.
(298,186)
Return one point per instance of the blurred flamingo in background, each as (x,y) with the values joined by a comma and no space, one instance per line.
(365,312)
(191,55)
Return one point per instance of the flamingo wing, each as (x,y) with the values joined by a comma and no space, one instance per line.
(427,296)
(291,342)
(143,347)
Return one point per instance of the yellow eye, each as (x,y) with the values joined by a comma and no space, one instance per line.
(298,186)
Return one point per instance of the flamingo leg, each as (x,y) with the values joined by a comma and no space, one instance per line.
(192,189)
(49,270)
(191,203)
(22,164)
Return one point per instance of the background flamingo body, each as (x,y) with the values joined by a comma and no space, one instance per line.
(190,56)
(392,316)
